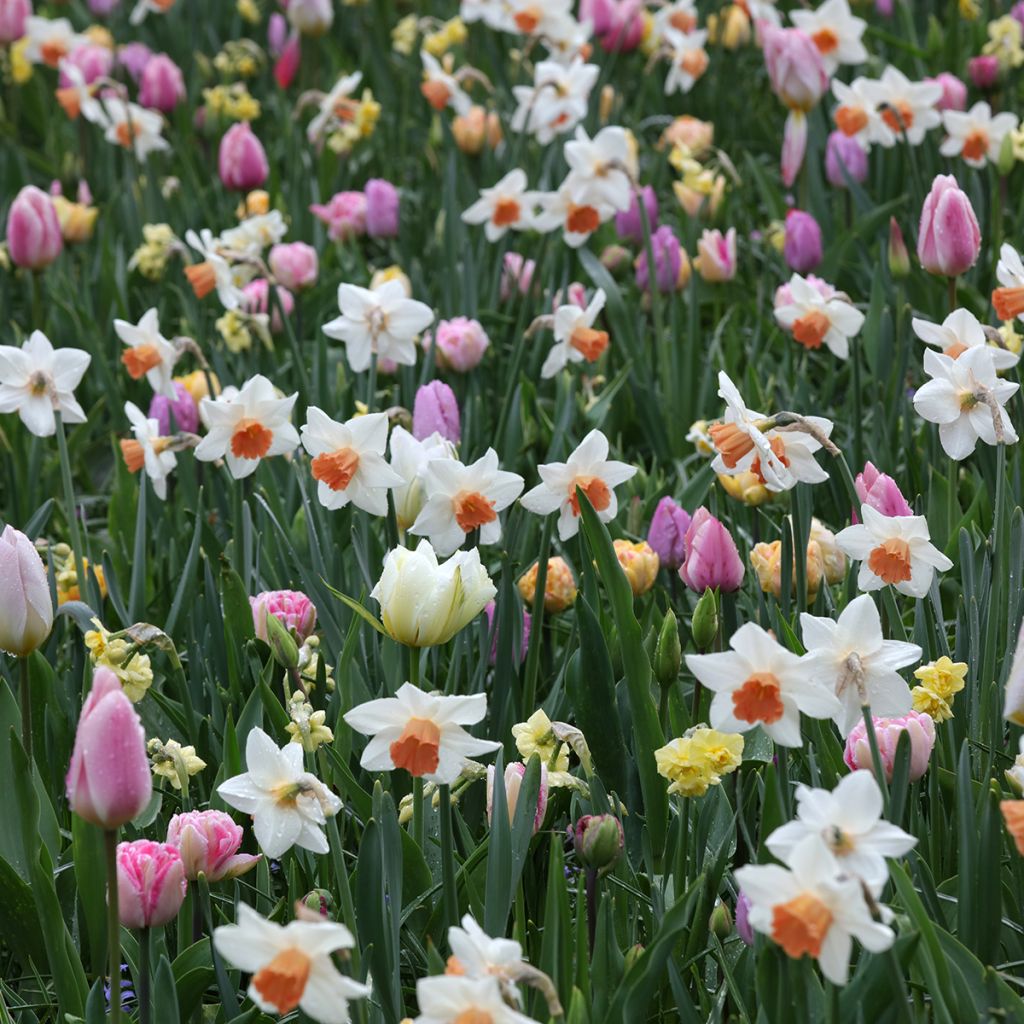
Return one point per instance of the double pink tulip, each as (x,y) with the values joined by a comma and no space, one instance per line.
(150,883)
(208,842)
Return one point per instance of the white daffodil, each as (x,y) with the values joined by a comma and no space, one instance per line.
(602,169)
(760,682)
(421,732)
(809,909)
(450,999)
(857,114)
(959,332)
(461,499)
(893,550)
(814,320)
(590,470)
(835,32)
(852,657)
(49,40)
(975,134)
(36,380)
(575,337)
(494,14)
(566,39)
(288,805)
(409,459)
(905,108)
(247,426)
(148,450)
(688,59)
(147,7)
(292,966)
(847,824)
(475,954)
(441,89)
(254,234)
(539,17)
(1008,300)
(348,460)
(966,398)
(508,204)
(132,127)
(680,15)
(149,354)
(213,272)
(577,222)
(557,100)
(381,320)
(334,106)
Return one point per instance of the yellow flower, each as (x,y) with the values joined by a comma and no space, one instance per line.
(403,35)
(307,726)
(392,273)
(1005,36)
(931,703)
(698,760)
(559,586)
(535,736)
(640,564)
(132,668)
(255,204)
(732,29)
(1011,338)
(699,437)
(767,562)
(367,114)
(174,762)
(21,66)
(943,677)
(150,259)
(76,219)
(198,383)
(451,34)
(249,11)
(231,101)
(67,574)
(970,10)
(833,558)
(745,487)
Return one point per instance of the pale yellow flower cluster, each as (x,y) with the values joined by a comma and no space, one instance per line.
(939,682)
(699,759)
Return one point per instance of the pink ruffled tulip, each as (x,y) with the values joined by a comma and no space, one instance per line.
(716,255)
(711,556)
(949,239)
(344,214)
(618,24)
(515,771)
(802,247)
(242,160)
(291,608)
(108,781)
(162,86)
(256,299)
(34,237)
(294,264)
(459,344)
(13,15)
(954,92)
(150,883)
(27,616)
(436,410)
(843,153)
(183,405)
(667,534)
(918,725)
(382,204)
(881,492)
(208,843)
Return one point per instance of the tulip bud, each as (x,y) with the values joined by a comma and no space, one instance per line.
(984,70)
(435,409)
(720,923)
(162,85)
(668,262)
(277,34)
(150,883)
(27,616)
(954,92)
(632,957)
(382,204)
(311,17)
(802,246)
(34,238)
(712,559)
(282,643)
(615,259)
(668,653)
(515,772)
(881,492)
(916,724)
(899,258)
(629,224)
(242,161)
(598,841)
(13,15)
(704,627)
(459,344)
(320,901)
(639,563)
(559,586)
(291,608)
(949,239)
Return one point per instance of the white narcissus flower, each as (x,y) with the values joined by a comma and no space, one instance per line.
(213,272)
(348,460)
(461,499)
(475,954)
(409,459)
(590,470)
(904,108)
(959,332)
(332,103)
(508,204)
(288,805)
(853,658)
(49,40)
(145,7)
(577,222)
(132,127)
(893,550)
(450,999)
(1013,706)
(966,398)
(602,169)
(835,32)
(378,320)
(808,909)
(688,59)
(420,732)
(441,89)
(847,825)
(247,426)
(149,450)
(760,682)
(539,17)
(291,966)
(36,380)
(1008,300)
(254,234)
(557,100)
(857,113)
(975,134)
(149,354)
(814,320)
(575,337)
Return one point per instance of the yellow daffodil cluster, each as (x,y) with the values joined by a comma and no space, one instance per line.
(1012,339)
(403,35)
(239,329)
(109,650)
(231,102)
(174,762)
(248,11)
(537,736)
(701,186)
(363,123)
(307,726)
(450,34)
(240,58)
(939,681)
(699,759)
(67,575)
(150,259)
(970,10)
(1005,37)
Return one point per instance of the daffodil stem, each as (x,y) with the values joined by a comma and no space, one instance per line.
(876,757)
(25,695)
(419,825)
(951,293)
(371,383)
(450,893)
(348,909)
(70,509)
(952,504)
(113,922)
(144,981)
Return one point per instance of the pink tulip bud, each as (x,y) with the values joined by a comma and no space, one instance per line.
(954,92)
(163,85)
(108,780)
(459,344)
(514,774)
(916,724)
(843,153)
(27,616)
(524,635)
(716,255)
(256,299)
(794,146)
(984,70)
(516,275)
(618,24)
(208,843)
(436,410)
(629,224)
(795,68)
(881,492)
(712,559)
(668,261)
(91,60)
(344,215)
(382,204)
(744,929)
(949,239)
(667,535)
(802,247)
(150,883)
(101,8)
(287,64)
(291,608)
(242,160)
(13,15)
(34,238)
(294,264)
(277,34)
(899,258)
(186,412)
(134,57)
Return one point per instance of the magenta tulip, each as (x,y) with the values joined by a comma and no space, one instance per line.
(382,203)
(712,559)
(242,161)
(802,246)
(667,535)
(881,492)
(13,15)
(629,224)
(34,238)
(183,405)
(162,86)
(949,239)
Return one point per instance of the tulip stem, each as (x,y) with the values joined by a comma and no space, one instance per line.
(419,830)
(25,695)
(144,980)
(70,509)
(113,920)
(450,893)
(951,292)
(876,757)
(591,883)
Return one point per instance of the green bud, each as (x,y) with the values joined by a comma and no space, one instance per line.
(1006,157)
(721,921)
(633,954)
(616,260)
(899,258)
(319,900)
(705,621)
(668,654)
(282,643)
(598,841)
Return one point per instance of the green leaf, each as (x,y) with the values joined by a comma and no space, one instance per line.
(165,995)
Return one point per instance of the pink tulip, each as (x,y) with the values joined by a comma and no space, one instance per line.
(134,57)
(436,410)
(954,92)
(291,608)
(629,224)
(516,275)
(150,883)
(668,262)
(881,492)
(163,85)
(287,64)
(382,204)
(515,771)
(91,60)
(916,724)
(242,161)
(843,153)
(524,633)
(256,299)
(459,344)
(795,68)
(294,264)
(802,246)
(618,24)
(27,616)
(949,239)
(34,238)
(208,843)
(183,405)
(984,70)
(277,34)
(101,8)
(711,556)
(108,780)
(13,15)
(344,214)
(716,255)
(744,929)
(667,534)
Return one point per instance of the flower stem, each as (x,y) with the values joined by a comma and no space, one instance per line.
(25,695)
(591,882)
(450,893)
(70,508)
(876,757)
(371,383)
(144,979)
(419,825)
(113,920)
